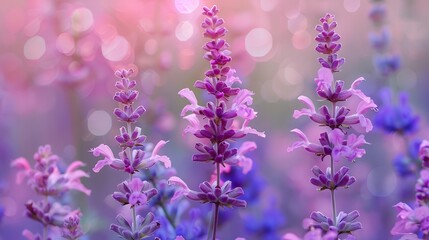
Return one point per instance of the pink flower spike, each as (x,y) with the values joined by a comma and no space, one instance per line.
(164,159)
(104,150)
(182,189)
(188,94)
(24,169)
(305,111)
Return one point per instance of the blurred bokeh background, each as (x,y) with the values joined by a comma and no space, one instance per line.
(57,60)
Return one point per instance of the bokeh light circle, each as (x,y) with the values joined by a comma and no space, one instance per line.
(186,6)
(184,31)
(115,49)
(99,123)
(258,42)
(82,19)
(34,48)
(380,183)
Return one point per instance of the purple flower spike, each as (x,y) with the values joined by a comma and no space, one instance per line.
(134,192)
(326,181)
(327,43)
(145,227)
(345,222)
(71,230)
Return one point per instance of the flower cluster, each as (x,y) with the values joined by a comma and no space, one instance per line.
(414,221)
(396,117)
(47,180)
(336,142)
(384,62)
(218,122)
(134,192)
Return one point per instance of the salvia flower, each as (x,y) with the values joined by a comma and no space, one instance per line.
(134,157)
(134,192)
(223,195)
(327,43)
(411,221)
(327,181)
(345,222)
(333,144)
(46,178)
(71,229)
(334,141)
(145,227)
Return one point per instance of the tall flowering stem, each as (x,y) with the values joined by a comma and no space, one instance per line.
(219,122)
(131,159)
(48,181)
(335,141)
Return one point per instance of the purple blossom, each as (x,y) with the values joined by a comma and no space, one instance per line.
(135,192)
(145,227)
(327,43)
(332,144)
(327,181)
(340,117)
(345,222)
(396,116)
(410,221)
(223,195)
(71,228)
(424,153)
(46,178)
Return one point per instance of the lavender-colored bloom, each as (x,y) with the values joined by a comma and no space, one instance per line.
(332,144)
(326,181)
(424,153)
(135,192)
(396,116)
(422,187)
(46,178)
(314,234)
(327,43)
(387,64)
(52,214)
(403,165)
(223,195)
(409,221)
(145,227)
(324,117)
(345,222)
(380,40)
(71,229)
(377,13)
(124,163)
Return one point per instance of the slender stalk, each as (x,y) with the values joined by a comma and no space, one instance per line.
(216,216)
(45,226)
(169,218)
(334,210)
(130,155)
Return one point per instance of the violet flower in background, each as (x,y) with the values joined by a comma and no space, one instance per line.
(413,221)
(336,142)
(222,120)
(46,179)
(131,159)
